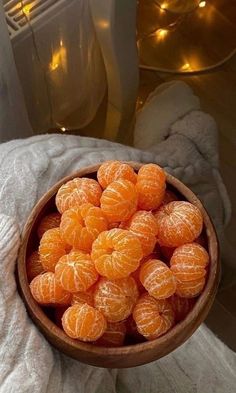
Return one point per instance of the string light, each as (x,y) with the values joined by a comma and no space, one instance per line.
(202,4)
(185,67)
(26,9)
(61,43)
(63,129)
(161,33)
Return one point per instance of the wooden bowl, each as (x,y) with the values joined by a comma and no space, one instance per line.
(130,355)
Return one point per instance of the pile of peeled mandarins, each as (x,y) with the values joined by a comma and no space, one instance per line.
(122,260)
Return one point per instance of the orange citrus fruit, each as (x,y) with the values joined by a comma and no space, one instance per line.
(46,290)
(116,299)
(157,279)
(34,266)
(119,200)
(114,170)
(181,306)
(83,322)
(143,224)
(114,335)
(48,222)
(76,192)
(116,253)
(188,264)
(150,186)
(81,226)
(178,223)
(153,317)
(75,272)
(189,261)
(191,288)
(84,297)
(52,247)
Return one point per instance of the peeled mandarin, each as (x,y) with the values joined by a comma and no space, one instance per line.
(76,192)
(114,170)
(143,225)
(81,226)
(46,290)
(114,335)
(189,261)
(52,247)
(83,322)
(188,264)
(119,200)
(48,222)
(153,317)
(181,306)
(116,253)
(157,279)
(116,299)
(75,272)
(34,266)
(150,186)
(84,297)
(178,223)
(190,289)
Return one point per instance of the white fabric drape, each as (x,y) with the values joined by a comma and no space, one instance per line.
(55,73)
(13,115)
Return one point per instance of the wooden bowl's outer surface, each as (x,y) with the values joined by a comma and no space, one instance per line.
(127,356)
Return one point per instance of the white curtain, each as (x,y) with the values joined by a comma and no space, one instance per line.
(51,74)
(13,115)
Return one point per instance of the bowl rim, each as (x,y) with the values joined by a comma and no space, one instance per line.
(201,307)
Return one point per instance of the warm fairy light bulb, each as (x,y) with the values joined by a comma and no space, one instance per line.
(163,6)
(26,9)
(161,33)
(53,66)
(185,67)
(202,4)
(63,129)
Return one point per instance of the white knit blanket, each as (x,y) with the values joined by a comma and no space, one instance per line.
(27,169)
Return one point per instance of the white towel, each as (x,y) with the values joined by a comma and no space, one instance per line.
(27,362)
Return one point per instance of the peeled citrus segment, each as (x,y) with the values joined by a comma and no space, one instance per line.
(178,223)
(116,253)
(150,186)
(52,247)
(190,289)
(116,299)
(153,317)
(143,225)
(34,266)
(181,306)
(114,335)
(75,272)
(84,297)
(189,261)
(110,171)
(157,279)
(76,192)
(48,222)
(81,226)
(119,200)
(46,290)
(83,322)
